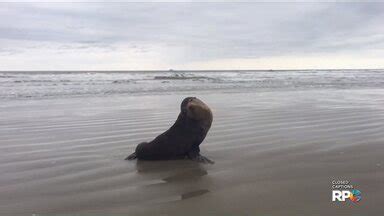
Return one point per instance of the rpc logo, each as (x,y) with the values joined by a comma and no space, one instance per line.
(354,195)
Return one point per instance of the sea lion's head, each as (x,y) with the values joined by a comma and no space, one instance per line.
(197,110)
(184,104)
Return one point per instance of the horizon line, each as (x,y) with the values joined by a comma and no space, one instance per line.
(187,70)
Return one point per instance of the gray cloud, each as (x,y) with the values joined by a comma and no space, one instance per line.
(199,31)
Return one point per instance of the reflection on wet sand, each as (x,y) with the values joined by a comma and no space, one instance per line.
(174,172)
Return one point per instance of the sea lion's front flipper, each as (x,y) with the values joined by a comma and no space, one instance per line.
(131,157)
(201,159)
(196,156)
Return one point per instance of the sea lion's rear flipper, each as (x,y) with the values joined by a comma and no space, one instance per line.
(131,157)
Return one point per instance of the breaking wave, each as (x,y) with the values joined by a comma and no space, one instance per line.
(56,84)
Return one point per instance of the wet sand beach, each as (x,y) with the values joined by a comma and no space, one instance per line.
(276,153)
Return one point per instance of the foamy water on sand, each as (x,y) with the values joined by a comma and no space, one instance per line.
(276,153)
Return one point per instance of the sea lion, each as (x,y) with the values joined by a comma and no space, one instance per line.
(183,138)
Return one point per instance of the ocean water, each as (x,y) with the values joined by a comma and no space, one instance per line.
(18,85)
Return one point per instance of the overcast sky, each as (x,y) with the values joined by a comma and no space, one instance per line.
(146,36)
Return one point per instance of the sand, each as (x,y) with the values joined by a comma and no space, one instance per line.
(276,153)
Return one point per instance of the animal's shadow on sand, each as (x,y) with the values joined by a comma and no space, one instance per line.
(176,173)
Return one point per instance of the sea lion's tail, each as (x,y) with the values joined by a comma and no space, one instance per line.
(131,156)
